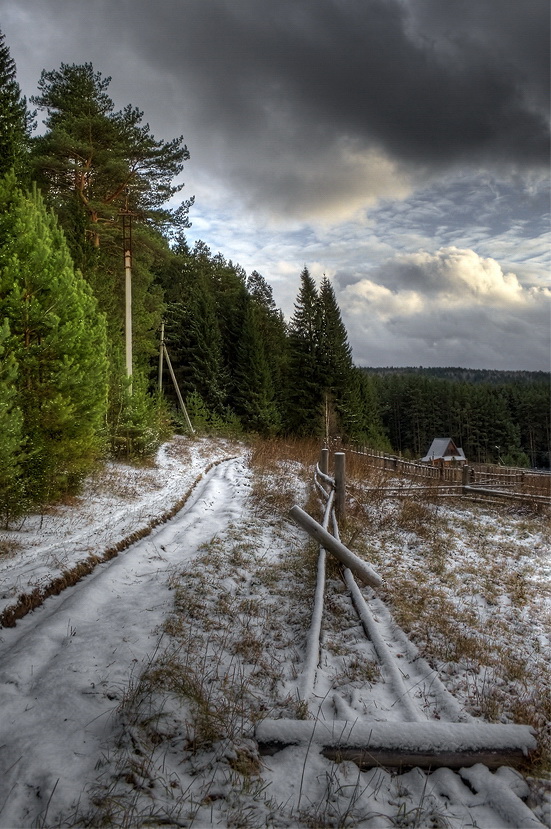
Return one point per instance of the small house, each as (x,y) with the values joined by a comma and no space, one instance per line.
(444,452)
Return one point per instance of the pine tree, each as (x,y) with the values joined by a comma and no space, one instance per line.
(15,120)
(11,501)
(97,161)
(304,415)
(259,290)
(340,392)
(57,339)
(254,398)
(93,163)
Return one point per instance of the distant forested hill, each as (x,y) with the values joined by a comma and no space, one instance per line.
(496,416)
(468,375)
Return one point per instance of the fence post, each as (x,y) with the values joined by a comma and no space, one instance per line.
(324,461)
(340,485)
(465,475)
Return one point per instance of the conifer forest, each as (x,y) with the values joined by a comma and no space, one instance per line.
(67,399)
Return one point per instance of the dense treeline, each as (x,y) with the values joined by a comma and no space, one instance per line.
(67,395)
(501,422)
(242,368)
(468,375)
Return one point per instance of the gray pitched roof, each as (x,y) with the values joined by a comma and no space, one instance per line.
(444,449)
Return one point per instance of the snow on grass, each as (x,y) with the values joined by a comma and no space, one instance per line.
(472,588)
(219,646)
(119,501)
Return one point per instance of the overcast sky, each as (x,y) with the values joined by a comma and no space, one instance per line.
(401,147)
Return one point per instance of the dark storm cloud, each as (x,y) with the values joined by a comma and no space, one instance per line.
(429,82)
(324,105)
(398,146)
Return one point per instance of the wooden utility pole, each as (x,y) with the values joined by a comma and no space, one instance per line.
(178,392)
(127,248)
(161,355)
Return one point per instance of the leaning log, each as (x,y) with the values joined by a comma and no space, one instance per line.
(359,567)
(427,744)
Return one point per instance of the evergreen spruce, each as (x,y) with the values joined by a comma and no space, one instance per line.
(11,494)
(340,391)
(58,341)
(254,399)
(15,120)
(272,331)
(192,331)
(369,429)
(334,352)
(228,283)
(304,412)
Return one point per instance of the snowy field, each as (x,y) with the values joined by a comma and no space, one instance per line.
(133,698)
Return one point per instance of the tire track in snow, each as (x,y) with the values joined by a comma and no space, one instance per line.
(65,666)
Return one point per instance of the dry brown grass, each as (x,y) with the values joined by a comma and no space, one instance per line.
(473,615)
(9,547)
(271,453)
(276,465)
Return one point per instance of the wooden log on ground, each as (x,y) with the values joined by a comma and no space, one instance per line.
(359,567)
(496,493)
(397,744)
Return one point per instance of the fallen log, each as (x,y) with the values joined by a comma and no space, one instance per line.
(430,744)
(332,545)
(518,496)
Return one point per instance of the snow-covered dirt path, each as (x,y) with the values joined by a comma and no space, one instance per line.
(133,698)
(65,666)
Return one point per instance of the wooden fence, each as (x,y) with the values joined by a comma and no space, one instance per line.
(413,741)
(523,481)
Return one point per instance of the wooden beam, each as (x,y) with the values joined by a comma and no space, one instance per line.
(518,496)
(431,744)
(369,758)
(359,567)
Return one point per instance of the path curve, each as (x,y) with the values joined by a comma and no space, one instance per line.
(65,666)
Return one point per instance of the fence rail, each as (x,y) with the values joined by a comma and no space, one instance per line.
(525,482)
(454,742)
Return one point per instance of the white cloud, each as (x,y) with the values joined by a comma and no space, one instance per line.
(452,307)
(386,303)
(453,275)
